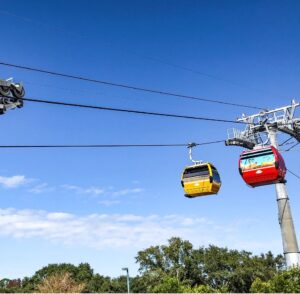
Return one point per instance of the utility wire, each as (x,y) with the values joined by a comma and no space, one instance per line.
(285,142)
(60,103)
(136,53)
(298,177)
(198,72)
(153,91)
(293,150)
(108,145)
(292,147)
(286,199)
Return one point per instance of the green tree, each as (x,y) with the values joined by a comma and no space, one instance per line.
(287,281)
(82,274)
(167,285)
(236,270)
(99,284)
(220,269)
(139,284)
(174,260)
(258,286)
(119,285)
(197,289)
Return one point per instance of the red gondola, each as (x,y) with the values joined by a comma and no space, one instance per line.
(262,166)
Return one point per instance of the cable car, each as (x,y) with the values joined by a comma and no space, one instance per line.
(200,179)
(262,166)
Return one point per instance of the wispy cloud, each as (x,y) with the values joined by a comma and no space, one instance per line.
(13,181)
(109,202)
(35,186)
(109,192)
(41,188)
(82,190)
(127,191)
(123,230)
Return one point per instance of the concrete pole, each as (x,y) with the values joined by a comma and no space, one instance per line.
(288,234)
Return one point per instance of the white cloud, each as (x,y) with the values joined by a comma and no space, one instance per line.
(124,230)
(74,188)
(109,202)
(13,181)
(59,216)
(96,191)
(127,192)
(80,190)
(41,188)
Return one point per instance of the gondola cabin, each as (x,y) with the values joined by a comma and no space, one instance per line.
(262,166)
(200,179)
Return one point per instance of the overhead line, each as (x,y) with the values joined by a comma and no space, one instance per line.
(292,146)
(294,149)
(60,103)
(293,174)
(136,53)
(284,143)
(107,145)
(107,83)
(198,72)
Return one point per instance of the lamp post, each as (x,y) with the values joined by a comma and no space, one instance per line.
(128,283)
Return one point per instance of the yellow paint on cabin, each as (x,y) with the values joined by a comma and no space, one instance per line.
(200,186)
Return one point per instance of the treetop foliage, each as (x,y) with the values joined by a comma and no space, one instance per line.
(176,267)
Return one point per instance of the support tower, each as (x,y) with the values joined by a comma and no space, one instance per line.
(262,129)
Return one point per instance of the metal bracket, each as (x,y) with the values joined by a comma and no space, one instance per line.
(190,146)
(256,132)
(240,142)
(11,95)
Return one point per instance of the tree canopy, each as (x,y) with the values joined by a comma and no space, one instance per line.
(176,267)
(218,268)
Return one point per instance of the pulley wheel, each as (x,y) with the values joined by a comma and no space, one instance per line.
(4,91)
(18,92)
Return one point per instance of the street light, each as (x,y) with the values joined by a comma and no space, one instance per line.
(128,285)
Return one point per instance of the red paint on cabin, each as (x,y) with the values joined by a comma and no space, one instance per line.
(262,166)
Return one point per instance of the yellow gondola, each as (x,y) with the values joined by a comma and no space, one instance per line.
(200,179)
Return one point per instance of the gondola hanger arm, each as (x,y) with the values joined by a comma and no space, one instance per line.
(190,146)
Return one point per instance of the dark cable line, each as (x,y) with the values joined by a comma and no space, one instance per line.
(201,73)
(130,110)
(288,143)
(126,86)
(146,57)
(295,149)
(283,143)
(286,199)
(108,145)
(293,174)
(292,147)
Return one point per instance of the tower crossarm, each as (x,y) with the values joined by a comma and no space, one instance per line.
(278,115)
(261,129)
(257,125)
(292,129)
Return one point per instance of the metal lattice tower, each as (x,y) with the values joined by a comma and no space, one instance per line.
(261,129)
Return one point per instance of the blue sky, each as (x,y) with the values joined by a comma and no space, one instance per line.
(103,205)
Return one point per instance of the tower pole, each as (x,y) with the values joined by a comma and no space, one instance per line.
(288,234)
